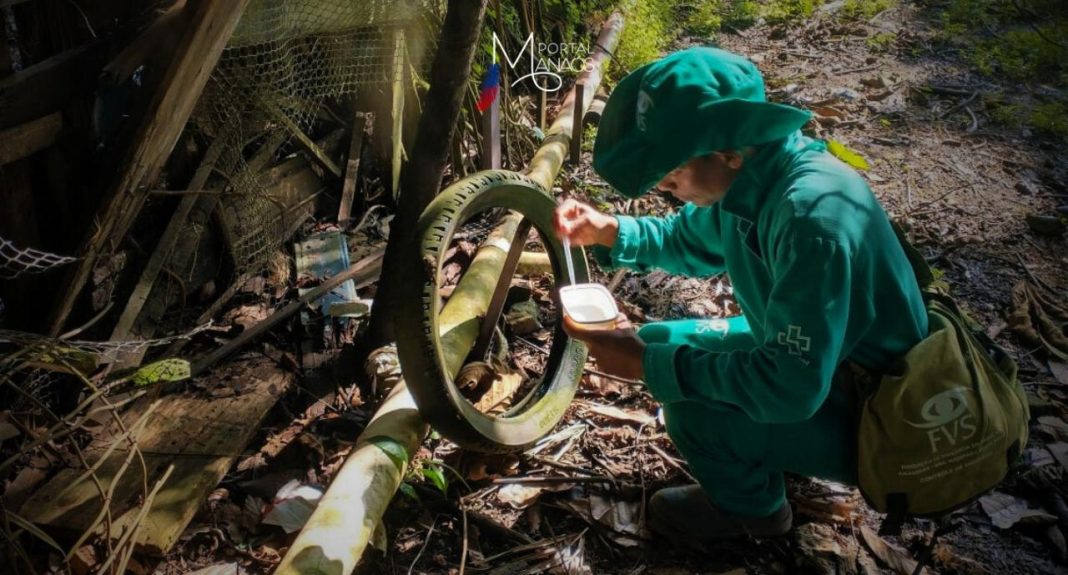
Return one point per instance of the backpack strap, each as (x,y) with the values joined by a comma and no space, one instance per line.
(897,511)
(925,277)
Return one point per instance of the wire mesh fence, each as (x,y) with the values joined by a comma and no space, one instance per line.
(283,64)
(16,261)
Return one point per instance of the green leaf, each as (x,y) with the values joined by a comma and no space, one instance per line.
(407,489)
(842,152)
(393,449)
(437,477)
(33,530)
(161,371)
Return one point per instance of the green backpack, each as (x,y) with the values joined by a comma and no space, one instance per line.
(947,422)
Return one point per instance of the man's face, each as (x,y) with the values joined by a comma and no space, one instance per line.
(703,180)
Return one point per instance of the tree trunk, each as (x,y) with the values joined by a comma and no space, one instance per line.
(422,176)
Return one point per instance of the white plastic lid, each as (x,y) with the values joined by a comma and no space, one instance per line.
(588,303)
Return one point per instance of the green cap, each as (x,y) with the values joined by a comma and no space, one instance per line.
(687,104)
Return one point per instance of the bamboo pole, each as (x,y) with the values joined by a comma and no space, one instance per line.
(339,530)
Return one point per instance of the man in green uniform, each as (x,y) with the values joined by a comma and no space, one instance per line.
(816,268)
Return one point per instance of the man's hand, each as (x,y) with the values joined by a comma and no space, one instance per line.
(618,351)
(584,225)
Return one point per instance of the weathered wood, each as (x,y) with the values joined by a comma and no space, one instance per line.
(449,74)
(366,266)
(500,292)
(47,86)
(200,435)
(575,154)
(22,141)
(361,126)
(157,40)
(305,142)
(195,58)
(397,112)
(166,244)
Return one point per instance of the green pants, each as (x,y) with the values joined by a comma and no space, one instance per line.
(740,462)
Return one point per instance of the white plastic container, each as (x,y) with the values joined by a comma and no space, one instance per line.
(590,305)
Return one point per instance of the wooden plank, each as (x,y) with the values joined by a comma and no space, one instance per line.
(25,140)
(575,154)
(166,244)
(366,267)
(47,86)
(397,112)
(200,435)
(157,40)
(210,27)
(305,142)
(352,167)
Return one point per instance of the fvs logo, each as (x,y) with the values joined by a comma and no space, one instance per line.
(948,418)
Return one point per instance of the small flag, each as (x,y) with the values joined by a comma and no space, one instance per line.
(490,87)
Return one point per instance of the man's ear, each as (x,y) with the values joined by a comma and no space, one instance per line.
(735,160)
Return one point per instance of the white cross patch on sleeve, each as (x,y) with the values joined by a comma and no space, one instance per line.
(713,325)
(795,343)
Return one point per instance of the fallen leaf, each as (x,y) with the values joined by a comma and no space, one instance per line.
(618,414)
(1005,511)
(220,569)
(293,506)
(621,516)
(1039,319)
(1059,450)
(501,390)
(162,371)
(896,559)
(851,157)
(519,496)
(951,558)
(1059,369)
(818,550)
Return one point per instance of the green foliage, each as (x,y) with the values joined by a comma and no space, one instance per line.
(166,370)
(437,477)
(1051,117)
(739,13)
(645,35)
(1019,40)
(705,18)
(865,9)
(847,154)
(780,11)
(882,42)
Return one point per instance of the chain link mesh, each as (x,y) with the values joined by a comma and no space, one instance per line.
(15,261)
(284,63)
(36,345)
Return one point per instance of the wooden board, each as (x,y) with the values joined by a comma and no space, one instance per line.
(21,141)
(47,86)
(199,434)
(210,27)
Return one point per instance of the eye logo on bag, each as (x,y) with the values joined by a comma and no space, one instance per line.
(948,418)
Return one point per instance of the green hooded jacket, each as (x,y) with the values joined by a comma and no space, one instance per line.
(816,268)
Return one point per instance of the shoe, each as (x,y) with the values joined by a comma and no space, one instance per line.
(687,515)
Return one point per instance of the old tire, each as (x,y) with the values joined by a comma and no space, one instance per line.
(416,322)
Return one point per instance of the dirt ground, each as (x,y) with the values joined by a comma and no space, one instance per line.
(963,187)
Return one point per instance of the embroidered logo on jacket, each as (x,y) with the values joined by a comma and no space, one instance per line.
(795,343)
